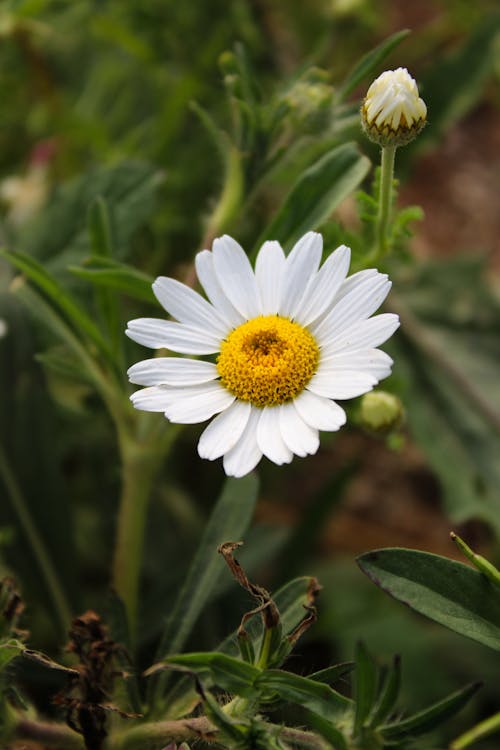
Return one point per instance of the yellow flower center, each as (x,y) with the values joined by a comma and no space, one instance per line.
(267,360)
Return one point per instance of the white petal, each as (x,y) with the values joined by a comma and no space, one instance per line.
(224,431)
(269,269)
(342,384)
(359,304)
(236,276)
(364,334)
(172,371)
(197,403)
(320,413)
(300,438)
(246,454)
(354,281)
(188,306)
(205,271)
(301,266)
(269,437)
(155,398)
(160,334)
(372,361)
(324,286)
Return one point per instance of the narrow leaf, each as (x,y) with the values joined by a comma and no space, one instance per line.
(315,696)
(388,694)
(369,63)
(58,297)
(365,685)
(331,675)
(317,192)
(449,592)
(229,520)
(431,717)
(233,675)
(115,275)
(99,225)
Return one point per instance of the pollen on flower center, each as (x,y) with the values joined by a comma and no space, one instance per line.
(267,360)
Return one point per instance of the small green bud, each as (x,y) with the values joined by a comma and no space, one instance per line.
(392,113)
(381,412)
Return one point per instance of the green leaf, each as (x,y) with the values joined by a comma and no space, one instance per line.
(115,275)
(426,720)
(330,675)
(449,592)
(317,192)
(9,650)
(455,85)
(99,224)
(369,63)
(388,694)
(315,696)
(235,676)
(60,235)
(58,297)
(365,686)
(230,519)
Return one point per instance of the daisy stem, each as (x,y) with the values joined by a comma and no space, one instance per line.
(385,201)
(140,463)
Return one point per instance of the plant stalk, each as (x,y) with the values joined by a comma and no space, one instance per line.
(385,201)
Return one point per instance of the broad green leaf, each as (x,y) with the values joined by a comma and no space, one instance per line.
(235,676)
(449,592)
(112,274)
(59,298)
(365,686)
(426,720)
(315,696)
(317,192)
(370,62)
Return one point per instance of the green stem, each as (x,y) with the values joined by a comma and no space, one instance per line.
(36,543)
(385,201)
(153,736)
(140,463)
(481,730)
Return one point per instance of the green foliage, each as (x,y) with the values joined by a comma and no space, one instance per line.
(449,592)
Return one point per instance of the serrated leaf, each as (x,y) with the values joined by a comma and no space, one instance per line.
(369,62)
(317,193)
(315,696)
(449,592)
(426,720)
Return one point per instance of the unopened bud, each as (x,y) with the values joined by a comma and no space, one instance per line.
(381,412)
(392,113)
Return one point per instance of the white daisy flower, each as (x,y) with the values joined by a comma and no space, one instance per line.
(282,344)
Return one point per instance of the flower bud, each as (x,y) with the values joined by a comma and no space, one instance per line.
(392,113)
(381,412)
